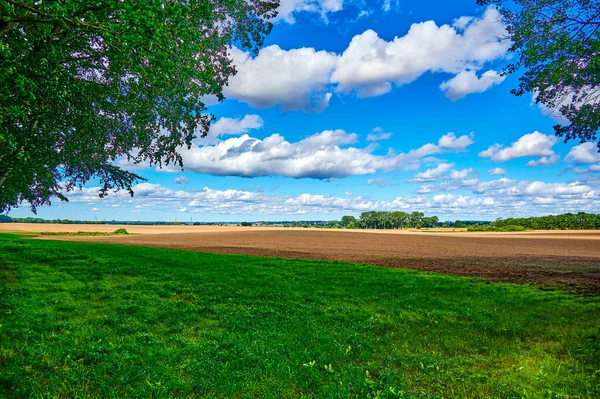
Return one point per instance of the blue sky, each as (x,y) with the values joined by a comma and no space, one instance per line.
(353,106)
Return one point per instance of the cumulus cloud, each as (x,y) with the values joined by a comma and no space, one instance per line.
(470,184)
(539,188)
(225,126)
(467,82)
(489,199)
(432,174)
(294,79)
(533,144)
(305,78)
(325,155)
(545,161)
(460,174)
(496,172)
(370,65)
(378,134)
(480,187)
(584,153)
(451,142)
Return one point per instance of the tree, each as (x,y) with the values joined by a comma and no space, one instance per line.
(416,220)
(557,43)
(460,224)
(348,221)
(84,84)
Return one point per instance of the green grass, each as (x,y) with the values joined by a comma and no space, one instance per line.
(117,232)
(81,320)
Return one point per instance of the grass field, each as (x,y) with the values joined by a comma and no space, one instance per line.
(556,258)
(84,320)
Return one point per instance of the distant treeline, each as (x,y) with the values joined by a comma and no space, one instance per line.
(386,220)
(567,221)
(417,220)
(7,219)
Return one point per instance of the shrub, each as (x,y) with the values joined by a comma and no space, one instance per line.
(120,232)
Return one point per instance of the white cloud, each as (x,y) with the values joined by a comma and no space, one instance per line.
(304,78)
(294,79)
(226,126)
(378,134)
(460,174)
(450,141)
(427,188)
(539,188)
(95,209)
(467,82)
(432,174)
(496,172)
(532,144)
(482,187)
(288,9)
(545,161)
(497,198)
(325,155)
(181,180)
(584,153)
(370,65)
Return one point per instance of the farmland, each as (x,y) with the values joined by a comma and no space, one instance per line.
(93,320)
(569,258)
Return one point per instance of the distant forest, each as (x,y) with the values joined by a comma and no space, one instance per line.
(390,220)
(417,220)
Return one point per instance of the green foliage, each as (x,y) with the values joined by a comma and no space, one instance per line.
(396,220)
(459,224)
(106,321)
(5,219)
(246,224)
(567,221)
(117,232)
(557,43)
(85,83)
(349,222)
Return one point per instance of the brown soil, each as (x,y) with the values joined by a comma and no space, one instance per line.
(556,258)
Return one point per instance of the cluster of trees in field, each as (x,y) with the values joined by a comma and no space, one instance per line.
(390,220)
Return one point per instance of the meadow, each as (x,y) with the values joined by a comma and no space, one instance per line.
(88,320)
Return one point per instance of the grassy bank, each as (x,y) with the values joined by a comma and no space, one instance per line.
(117,232)
(105,321)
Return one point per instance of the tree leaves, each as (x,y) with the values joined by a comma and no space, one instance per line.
(85,84)
(558,45)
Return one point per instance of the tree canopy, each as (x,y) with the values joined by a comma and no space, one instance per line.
(558,47)
(86,83)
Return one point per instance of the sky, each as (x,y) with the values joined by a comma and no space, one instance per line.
(352,106)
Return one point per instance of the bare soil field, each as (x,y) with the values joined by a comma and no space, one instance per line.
(569,258)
